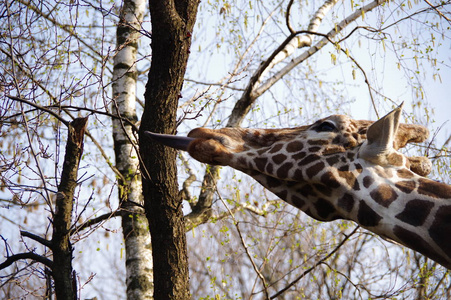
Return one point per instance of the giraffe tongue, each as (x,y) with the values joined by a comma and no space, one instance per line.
(177,142)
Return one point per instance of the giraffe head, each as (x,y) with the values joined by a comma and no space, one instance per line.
(283,150)
(339,168)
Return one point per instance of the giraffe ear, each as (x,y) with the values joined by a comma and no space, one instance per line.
(380,137)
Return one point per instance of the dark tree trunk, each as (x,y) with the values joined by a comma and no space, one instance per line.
(172,24)
(63,275)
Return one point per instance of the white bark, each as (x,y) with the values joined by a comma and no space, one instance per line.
(139,275)
(315,48)
(300,41)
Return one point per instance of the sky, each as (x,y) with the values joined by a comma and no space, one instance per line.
(385,77)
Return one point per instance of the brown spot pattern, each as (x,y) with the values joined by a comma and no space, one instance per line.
(273,182)
(358,168)
(282,195)
(242,161)
(356,186)
(314,149)
(329,179)
(294,146)
(261,151)
(441,228)
(346,202)
(344,168)
(324,208)
(299,155)
(366,216)
(337,140)
(260,163)
(384,195)
(315,169)
(279,158)
(384,173)
(323,189)
(276,148)
(405,186)
(417,243)
(333,149)
(309,159)
(434,189)
(332,160)
(297,201)
(403,173)
(395,159)
(349,177)
(368,181)
(298,174)
(283,170)
(269,168)
(306,191)
(415,212)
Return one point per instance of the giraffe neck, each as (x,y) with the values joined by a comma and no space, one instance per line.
(338,168)
(394,203)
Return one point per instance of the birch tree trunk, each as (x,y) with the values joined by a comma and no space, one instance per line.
(139,265)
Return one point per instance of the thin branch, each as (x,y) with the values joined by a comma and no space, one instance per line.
(295,41)
(370,88)
(185,193)
(95,111)
(37,238)
(315,265)
(49,111)
(221,85)
(97,220)
(67,28)
(28,255)
(315,48)
(439,12)
(287,17)
(246,248)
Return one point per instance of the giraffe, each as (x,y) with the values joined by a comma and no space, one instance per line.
(339,168)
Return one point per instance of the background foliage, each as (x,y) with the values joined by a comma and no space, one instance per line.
(58,57)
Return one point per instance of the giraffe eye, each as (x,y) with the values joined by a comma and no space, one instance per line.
(326,127)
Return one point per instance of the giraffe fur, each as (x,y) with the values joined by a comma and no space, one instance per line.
(340,168)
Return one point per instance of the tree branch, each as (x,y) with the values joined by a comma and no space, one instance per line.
(28,255)
(97,220)
(49,111)
(243,105)
(316,264)
(295,40)
(315,48)
(36,238)
(246,248)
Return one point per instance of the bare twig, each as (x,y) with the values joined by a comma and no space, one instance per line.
(37,238)
(280,292)
(94,221)
(49,111)
(439,12)
(315,48)
(28,255)
(246,248)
